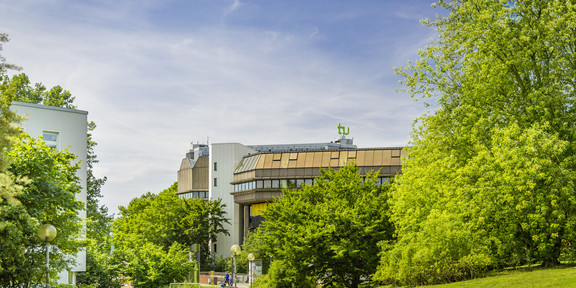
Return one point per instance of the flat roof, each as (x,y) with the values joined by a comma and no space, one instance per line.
(40,106)
(389,156)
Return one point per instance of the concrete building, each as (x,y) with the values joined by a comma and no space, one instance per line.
(260,178)
(61,128)
(247,177)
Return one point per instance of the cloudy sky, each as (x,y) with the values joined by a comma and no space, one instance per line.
(156,75)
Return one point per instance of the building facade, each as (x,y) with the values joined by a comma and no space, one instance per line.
(247,177)
(260,178)
(61,128)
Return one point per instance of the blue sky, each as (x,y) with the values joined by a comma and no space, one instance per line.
(157,75)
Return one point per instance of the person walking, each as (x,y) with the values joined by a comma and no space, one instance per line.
(227,279)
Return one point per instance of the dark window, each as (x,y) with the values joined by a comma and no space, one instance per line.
(215,166)
(215,182)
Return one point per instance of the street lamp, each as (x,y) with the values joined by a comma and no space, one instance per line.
(235,250)
(47,233)
(250,268)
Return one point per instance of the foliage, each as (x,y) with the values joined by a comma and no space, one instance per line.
(154,266)
(255,245)
(38,94)
(3,65)
(8,119)
(101,269)
(327,231)
(220,264)
(98,223)
(155,225)
(490,178)
(281,276)
(52,181)
(558,276)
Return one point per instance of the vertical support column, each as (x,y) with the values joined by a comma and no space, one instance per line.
(246,221)
(47,264)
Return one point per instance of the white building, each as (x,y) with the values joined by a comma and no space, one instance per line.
(224,157)
(61,128)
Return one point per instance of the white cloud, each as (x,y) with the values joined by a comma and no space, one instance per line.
(152,91)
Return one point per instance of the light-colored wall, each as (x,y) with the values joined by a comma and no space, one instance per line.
(227,155)
(71,126)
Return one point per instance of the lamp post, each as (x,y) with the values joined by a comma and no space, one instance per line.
(250,269)
(235,250)
(47,233)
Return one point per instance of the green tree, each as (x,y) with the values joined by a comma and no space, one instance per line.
(490,177)
(98,220)
(9,130)
(156,225)
(328,232)
(153,266)
(100,266)
(51,181)
(24,91)
(3,65)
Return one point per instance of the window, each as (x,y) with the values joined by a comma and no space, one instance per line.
(215,182)
(51,139)
(299,183)
(215,166)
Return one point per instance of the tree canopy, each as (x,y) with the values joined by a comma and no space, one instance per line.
(490,177)
(48,177)
(327,232)
(155,231)
(19,88)
(3,65)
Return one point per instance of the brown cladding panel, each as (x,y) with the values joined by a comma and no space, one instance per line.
(360,158)
(325,159)
(335,155)
(369,161)
(378,157)
(386,156)
(284,160)
(267,161)
(260,164)
(309,159)
(275,164)
(317,159)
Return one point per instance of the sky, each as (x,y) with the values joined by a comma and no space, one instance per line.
(158,75)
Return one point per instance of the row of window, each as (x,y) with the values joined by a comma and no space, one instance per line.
(192,195)
(284,183)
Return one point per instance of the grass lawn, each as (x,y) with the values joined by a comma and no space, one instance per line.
(564,276)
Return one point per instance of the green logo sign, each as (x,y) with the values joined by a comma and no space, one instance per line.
(343,130)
